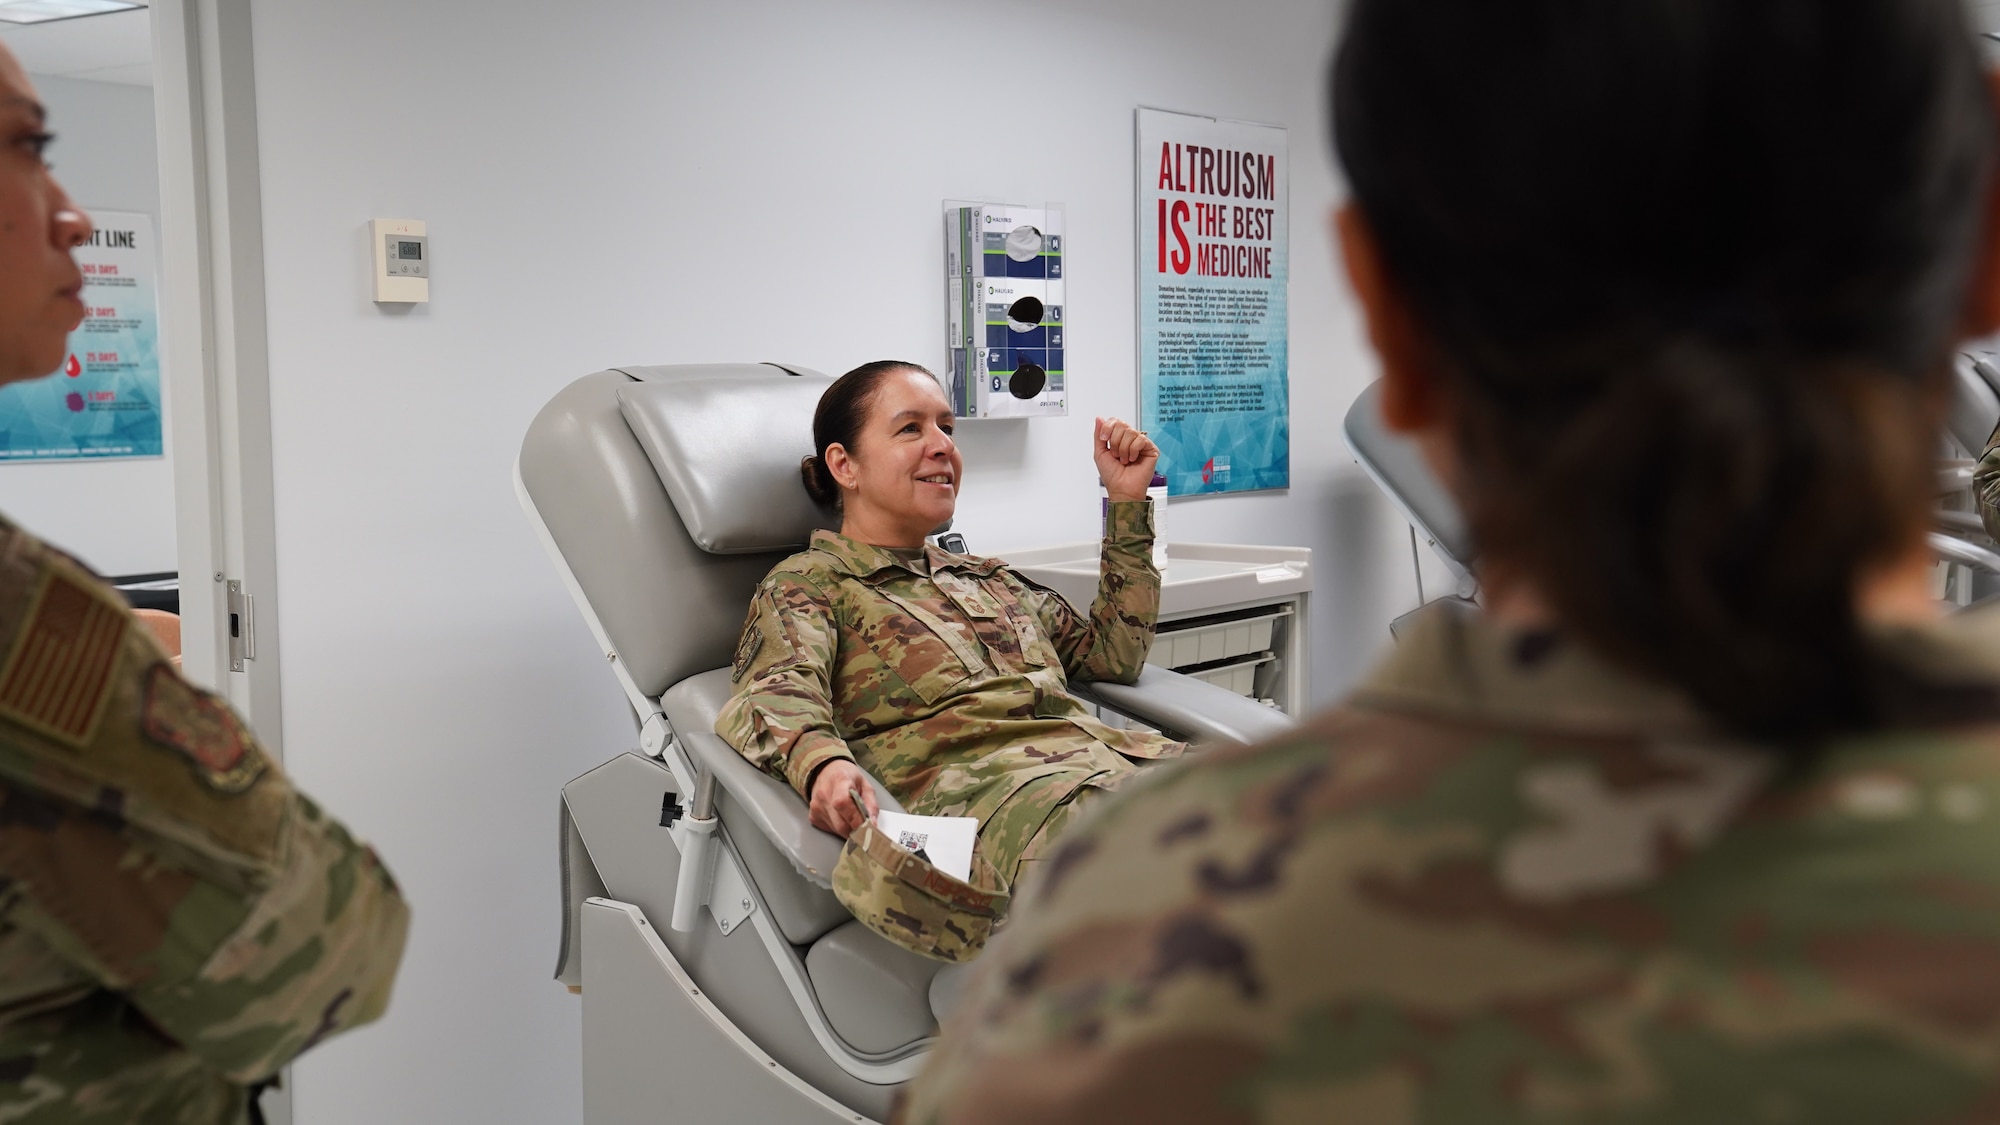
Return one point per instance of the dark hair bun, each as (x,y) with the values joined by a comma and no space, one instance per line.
(819,482)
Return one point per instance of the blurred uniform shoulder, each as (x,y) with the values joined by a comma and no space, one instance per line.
(1500,848)
(93,712)
(176,921)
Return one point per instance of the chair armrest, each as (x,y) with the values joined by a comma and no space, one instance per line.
(770,806)
(1953,549)
(1188,709)
(1952,523)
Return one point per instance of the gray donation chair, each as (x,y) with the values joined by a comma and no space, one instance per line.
(1959,537)
(721,979)
(1975,402)
(1397,467)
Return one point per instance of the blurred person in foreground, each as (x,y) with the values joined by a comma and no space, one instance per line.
(1698,820)
(176,921)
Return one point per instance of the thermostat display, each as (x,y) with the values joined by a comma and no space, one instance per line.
(406,258)
(402,261)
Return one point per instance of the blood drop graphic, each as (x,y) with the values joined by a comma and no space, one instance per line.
(72,368)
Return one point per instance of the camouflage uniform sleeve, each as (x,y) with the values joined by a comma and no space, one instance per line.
(1986,485)
(157,847)
(781,714)
(1113,643)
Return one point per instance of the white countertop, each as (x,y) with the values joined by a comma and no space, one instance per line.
(1199,578)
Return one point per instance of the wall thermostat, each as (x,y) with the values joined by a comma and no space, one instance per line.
(402,260)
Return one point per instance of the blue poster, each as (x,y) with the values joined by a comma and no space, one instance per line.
(1214,391)
(105,399)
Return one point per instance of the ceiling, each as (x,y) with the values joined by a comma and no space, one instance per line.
(119,48)
(110,48)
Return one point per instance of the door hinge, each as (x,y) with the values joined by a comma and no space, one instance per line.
(242,626)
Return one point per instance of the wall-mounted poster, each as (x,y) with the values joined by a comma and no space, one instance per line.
(105,399)
(1213,239)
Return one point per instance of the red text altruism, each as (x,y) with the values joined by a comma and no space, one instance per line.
(1201,170)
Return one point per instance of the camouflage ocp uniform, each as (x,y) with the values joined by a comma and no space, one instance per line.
(946,677)
(1507,883)
(176,921)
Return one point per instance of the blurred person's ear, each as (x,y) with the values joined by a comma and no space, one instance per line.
(1410,398)
(1982,300)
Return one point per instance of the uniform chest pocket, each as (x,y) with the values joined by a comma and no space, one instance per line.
(1037,650)
(1013,640)
(918,647)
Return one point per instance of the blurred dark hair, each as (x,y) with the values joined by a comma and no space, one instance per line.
(1689,272)
(838,420)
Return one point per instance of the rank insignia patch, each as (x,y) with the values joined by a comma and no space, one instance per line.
(57,677)
(187,719)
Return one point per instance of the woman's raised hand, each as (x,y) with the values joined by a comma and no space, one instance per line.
(1126,459)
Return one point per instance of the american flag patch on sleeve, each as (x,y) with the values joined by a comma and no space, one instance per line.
(57,677)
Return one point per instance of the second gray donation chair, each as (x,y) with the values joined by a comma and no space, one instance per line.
(1397,466)
(721,979)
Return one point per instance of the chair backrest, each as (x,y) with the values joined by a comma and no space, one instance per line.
(1975,401)
(1398,467)
(671,492)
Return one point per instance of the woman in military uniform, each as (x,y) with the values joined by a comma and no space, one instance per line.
(1697,818)
(177,922)
(943,675)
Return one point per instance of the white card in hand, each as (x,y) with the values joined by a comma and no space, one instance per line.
(944,840)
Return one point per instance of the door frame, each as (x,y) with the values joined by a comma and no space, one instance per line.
(217,361)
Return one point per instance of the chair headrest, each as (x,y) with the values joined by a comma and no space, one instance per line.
(1975,401)
(726,442)
(609,480)
(1397,464)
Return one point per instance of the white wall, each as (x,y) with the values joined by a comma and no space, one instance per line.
(118,516)
(623,181)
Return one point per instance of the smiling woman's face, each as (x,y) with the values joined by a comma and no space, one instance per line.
(40,302)
(901,481)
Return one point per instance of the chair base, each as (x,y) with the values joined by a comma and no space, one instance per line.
(655,1049)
